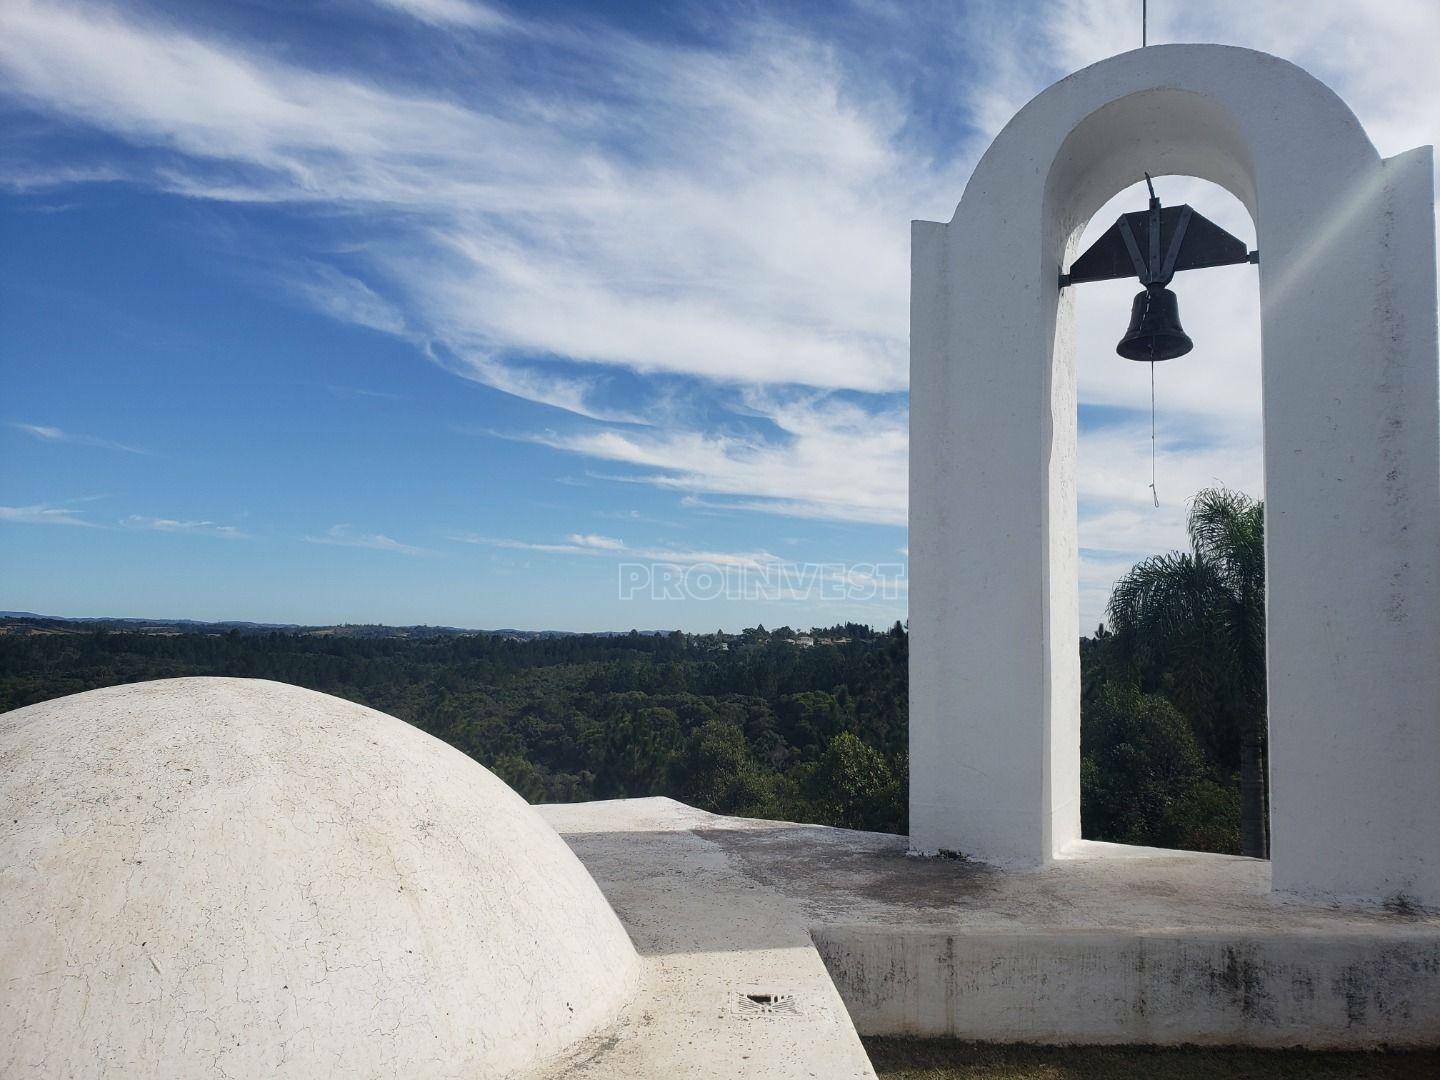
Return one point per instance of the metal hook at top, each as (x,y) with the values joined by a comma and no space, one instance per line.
(1149,184)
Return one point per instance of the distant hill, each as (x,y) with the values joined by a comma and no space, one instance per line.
(21,622)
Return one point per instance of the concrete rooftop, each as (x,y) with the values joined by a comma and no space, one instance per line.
(1111,944)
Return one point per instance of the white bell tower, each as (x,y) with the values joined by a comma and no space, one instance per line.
(1352,467)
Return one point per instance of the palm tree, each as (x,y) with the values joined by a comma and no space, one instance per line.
(1200,616)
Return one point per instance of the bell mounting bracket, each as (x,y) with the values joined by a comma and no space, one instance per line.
(1176,238)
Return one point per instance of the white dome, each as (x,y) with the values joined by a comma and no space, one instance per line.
(230,877)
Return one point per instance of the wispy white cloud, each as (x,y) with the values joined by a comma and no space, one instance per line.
(345,536)
(66,513)
(345,297)
(450,13)
(47,433)
(44,514)
(26,178)
(826,459)
(593,540)
(188,528)
(608,547)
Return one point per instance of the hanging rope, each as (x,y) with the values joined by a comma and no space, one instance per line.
(1144,315)
(1153,493)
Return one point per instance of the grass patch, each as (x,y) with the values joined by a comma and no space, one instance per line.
(939,1059)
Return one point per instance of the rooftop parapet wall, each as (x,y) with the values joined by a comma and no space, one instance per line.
(1157,988)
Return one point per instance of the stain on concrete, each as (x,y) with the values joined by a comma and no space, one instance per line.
(1242,978)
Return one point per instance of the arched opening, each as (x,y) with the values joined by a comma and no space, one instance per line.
(1170,133)
(1172,715)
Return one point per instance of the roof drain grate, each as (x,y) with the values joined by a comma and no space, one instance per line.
(755,1005)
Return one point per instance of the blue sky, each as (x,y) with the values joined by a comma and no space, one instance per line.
(440,311)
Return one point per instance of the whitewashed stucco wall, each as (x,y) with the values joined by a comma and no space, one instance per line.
(1352,466)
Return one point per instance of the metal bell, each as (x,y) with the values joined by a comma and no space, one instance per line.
(1155,332)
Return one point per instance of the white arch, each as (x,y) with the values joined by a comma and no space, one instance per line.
(1352,466)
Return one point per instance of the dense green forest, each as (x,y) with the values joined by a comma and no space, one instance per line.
(776,724)
(755,723)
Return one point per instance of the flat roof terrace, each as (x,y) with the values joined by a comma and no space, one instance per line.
(756,931)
